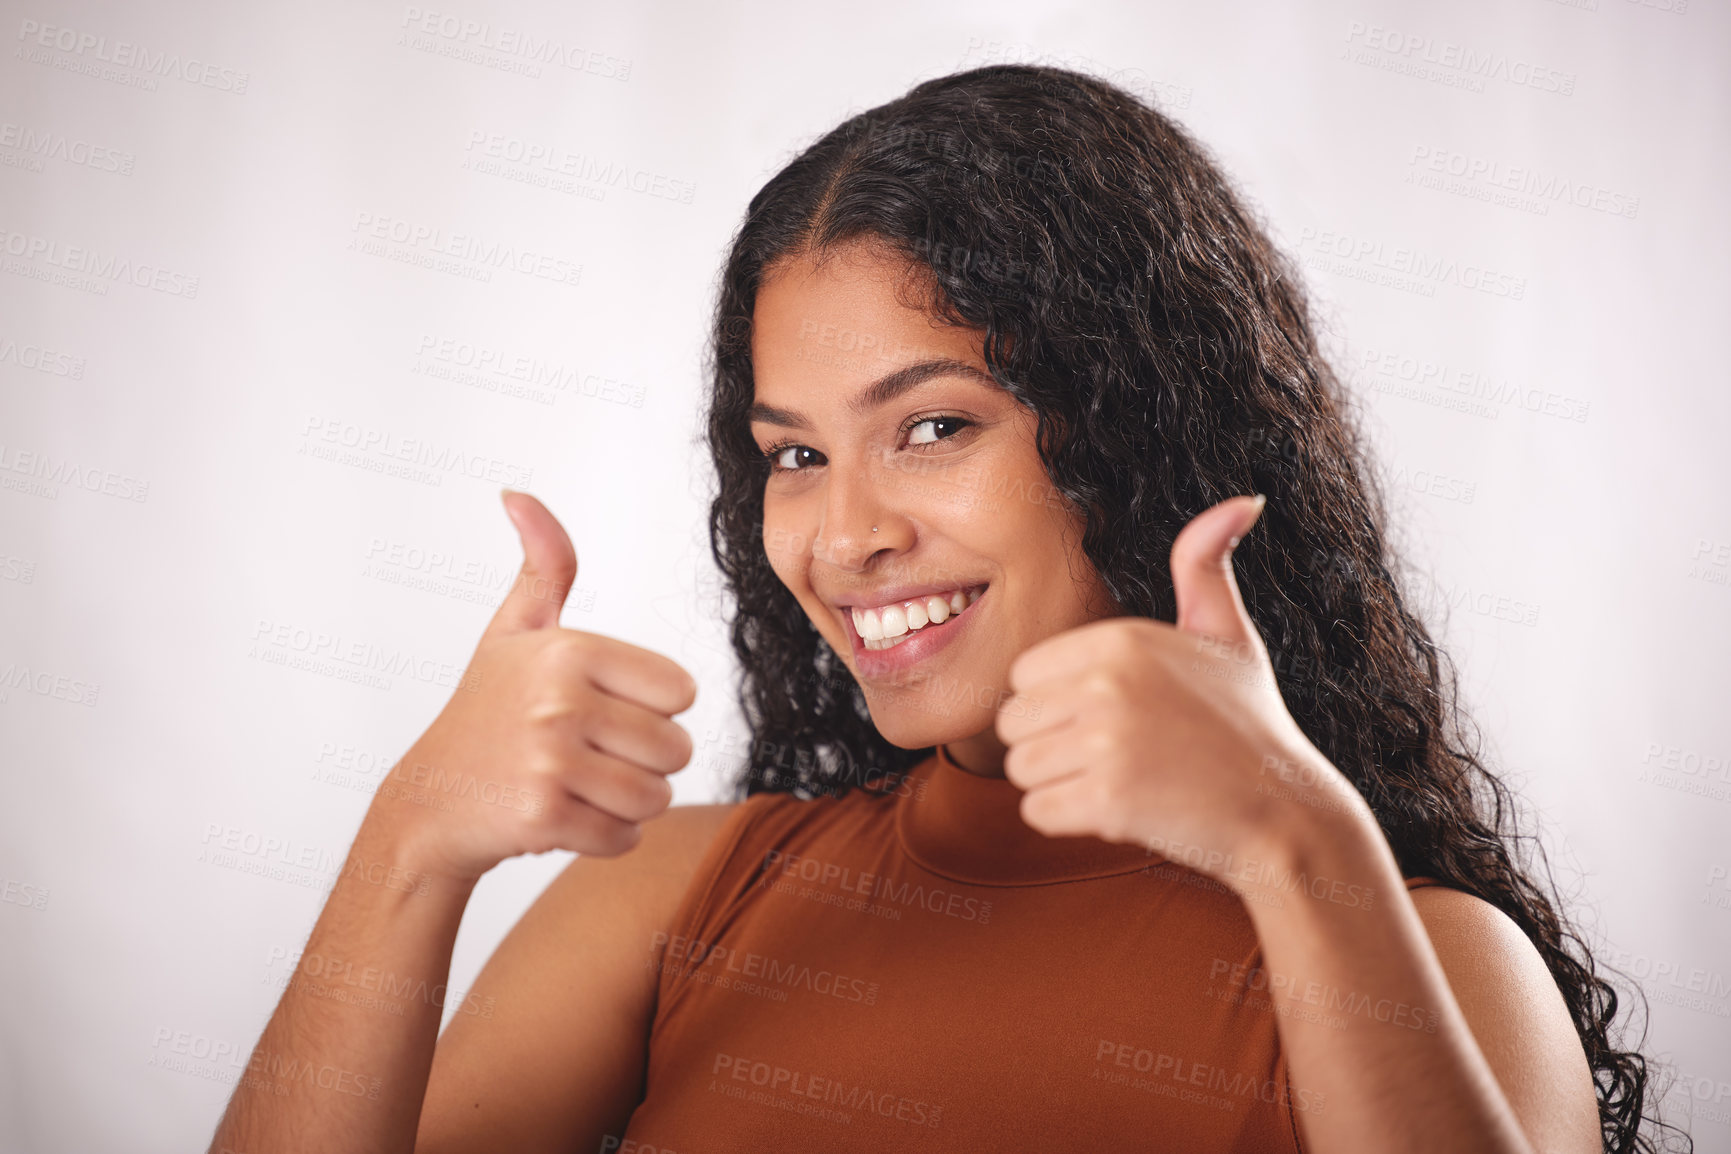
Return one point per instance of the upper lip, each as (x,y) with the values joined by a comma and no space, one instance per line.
(896,594)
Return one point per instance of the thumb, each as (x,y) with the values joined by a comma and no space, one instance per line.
(1202,578)
(549,568)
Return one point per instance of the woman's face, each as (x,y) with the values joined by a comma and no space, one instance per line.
(881,416)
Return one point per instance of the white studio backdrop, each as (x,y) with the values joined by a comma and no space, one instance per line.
(290,291)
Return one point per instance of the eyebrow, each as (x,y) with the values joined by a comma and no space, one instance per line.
(880,392)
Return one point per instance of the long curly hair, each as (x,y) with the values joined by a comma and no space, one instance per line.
(1132,302)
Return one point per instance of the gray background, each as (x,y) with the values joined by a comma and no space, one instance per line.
(198,285)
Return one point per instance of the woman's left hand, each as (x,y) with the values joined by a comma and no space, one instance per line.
(1173,737)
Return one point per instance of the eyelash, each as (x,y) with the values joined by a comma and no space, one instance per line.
(771,452)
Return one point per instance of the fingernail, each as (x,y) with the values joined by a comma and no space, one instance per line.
(1261,501)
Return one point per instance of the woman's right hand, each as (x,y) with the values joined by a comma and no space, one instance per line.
(555,739)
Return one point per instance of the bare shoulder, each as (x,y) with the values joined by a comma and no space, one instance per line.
(1517,1015)
(1485,947)
(549,1049)
(671,848)
(636,891)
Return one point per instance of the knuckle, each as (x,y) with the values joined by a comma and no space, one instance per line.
(543,767)
(1119,685)
(1123,643)
(609,836)
(1107,806)
(680,746)
(661,795)
(553,709)
(683,687)
(565,649)
(1098,743)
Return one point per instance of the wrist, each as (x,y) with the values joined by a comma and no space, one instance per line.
(1314,837)
(405,846)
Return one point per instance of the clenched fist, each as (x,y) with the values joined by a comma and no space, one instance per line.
(556,739)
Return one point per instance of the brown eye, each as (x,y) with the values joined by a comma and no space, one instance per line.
(954,424)
(786,458)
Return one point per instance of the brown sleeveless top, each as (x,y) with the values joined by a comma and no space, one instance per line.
(924,971)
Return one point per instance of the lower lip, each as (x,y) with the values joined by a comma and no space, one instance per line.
(877,663)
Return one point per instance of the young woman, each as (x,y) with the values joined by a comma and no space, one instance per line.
(1103,789)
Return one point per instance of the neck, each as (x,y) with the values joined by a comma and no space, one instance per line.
(981,755)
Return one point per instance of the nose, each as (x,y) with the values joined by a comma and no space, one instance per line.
(858,524)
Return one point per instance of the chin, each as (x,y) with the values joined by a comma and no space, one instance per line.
(913,719)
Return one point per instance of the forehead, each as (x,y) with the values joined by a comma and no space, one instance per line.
(847,319)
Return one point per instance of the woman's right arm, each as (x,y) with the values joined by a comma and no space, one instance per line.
(550,1049)
(556,739)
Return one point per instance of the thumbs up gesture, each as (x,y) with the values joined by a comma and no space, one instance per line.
(556,739)
(1165,736)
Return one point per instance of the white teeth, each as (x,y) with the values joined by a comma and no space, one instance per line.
(887,625)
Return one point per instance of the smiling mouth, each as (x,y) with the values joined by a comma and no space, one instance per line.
(887,626)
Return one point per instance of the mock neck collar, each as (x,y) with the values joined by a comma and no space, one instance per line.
(969,828)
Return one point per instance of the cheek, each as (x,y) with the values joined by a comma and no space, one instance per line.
(786,542)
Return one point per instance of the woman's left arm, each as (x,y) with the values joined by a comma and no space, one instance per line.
(1438,1025)
(1411,1022)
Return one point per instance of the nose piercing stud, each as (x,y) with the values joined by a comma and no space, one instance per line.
(874,528)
